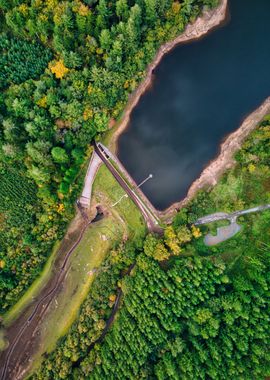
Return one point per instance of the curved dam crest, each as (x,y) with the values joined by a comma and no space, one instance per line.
(201,92)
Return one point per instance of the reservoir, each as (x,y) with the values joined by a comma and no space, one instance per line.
(201,92)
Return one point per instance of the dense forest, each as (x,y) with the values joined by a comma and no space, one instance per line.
(188,311)
(66,69)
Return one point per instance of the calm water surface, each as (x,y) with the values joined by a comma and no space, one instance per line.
(201,92)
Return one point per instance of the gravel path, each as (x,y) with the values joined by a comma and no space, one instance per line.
(130,187)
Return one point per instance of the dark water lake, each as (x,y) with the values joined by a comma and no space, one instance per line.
(201,92)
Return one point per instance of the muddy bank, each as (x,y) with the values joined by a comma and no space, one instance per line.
(209,20)
(225,159)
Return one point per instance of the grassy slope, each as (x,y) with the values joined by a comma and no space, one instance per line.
(88,255)
(32,291)
(107,191)
(122,222)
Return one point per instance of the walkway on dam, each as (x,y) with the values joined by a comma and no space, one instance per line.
(130,187)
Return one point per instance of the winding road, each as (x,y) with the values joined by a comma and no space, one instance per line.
(226,232)
(229,216)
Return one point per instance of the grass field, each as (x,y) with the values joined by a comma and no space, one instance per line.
(89,254)
(121,222)
(3,343)
(33,290)
(108,191)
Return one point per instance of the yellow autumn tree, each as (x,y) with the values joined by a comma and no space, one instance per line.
(89,89)
(251,168)
(59,69)
(171,240)
(51,4)
(176,7)
(83,10)
(161,253)
(60,208)
(112,297)
(88,113)
(196,232)
(42,102)
(23,9)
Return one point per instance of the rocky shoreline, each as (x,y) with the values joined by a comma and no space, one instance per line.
(209,20)
(225,159)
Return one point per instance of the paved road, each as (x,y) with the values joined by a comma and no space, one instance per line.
(93,167)
(226,232)
(223,233)
(231,217)
(151,221)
